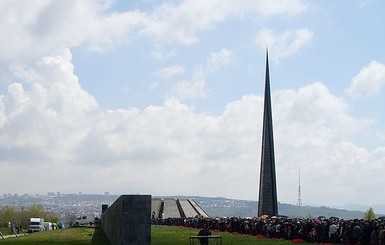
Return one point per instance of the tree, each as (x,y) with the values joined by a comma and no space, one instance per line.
(51,218)
(36,210)
(69,219)
(369,215)
(22,215)
(7,214)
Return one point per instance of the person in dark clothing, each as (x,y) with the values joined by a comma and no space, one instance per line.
(204,232)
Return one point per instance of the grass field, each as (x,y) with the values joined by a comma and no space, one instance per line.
(175,235)
(76,236)
(159,235)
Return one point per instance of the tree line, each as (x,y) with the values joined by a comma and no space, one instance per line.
(21,216)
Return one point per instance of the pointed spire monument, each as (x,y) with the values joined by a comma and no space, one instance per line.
(267,203)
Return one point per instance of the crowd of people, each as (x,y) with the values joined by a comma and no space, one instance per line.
(314,230)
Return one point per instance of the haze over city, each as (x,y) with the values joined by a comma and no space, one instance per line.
(166,97)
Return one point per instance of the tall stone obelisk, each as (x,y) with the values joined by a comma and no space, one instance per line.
(267,204)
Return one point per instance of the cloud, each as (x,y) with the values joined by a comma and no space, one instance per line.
(45,126)
(52,130)
(169,72)
(188,89)
(283,44)
(182,22)
(313,118)
(369,81)
(163,55)
(196,86)
(314,131)
(44,115)
(39,29)
(218,59)
(271,8)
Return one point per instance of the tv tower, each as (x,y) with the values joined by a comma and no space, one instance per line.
(299,201)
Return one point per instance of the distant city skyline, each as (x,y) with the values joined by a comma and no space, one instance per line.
(166,97)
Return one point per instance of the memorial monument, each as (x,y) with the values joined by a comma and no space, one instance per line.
(163,208)
(267,203)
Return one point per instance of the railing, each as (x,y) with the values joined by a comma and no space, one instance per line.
(217,238)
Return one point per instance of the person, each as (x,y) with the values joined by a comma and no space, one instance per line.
(333,236)
(357,233)
(204,232)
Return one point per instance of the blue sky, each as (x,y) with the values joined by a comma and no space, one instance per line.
(165,97)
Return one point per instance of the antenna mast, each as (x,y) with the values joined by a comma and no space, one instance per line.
(299,201)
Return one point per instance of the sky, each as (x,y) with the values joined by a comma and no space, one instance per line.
(166,97)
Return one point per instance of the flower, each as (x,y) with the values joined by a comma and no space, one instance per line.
(298,241)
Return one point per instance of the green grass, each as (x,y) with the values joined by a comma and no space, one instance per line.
(5,231)
(177,236)
(76,236)
(160,235)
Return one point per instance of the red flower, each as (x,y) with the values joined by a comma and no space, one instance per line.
(298,241)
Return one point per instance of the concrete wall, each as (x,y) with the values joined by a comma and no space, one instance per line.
(187,208)
(171,209)
(155,206)
(128,220)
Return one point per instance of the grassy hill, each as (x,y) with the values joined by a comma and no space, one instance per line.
(224,207)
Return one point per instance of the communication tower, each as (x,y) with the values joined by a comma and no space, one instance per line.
(299,201)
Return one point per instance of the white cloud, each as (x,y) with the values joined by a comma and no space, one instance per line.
(170,71)
(218,59)
(39,29)
(43,117)
(369,81)
(182,22)
(283,44)
(312,130)
(194,88)
(381,136)
(48,121)
(271,8)
(163,55)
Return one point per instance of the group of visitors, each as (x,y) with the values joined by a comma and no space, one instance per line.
(315,230)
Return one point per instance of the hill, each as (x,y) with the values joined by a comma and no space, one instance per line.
(215,206)
(224,207)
